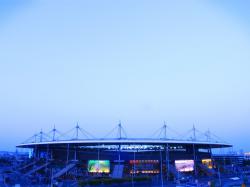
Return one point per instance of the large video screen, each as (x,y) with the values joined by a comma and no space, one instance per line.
(144,166)
(207,162)
(184,165)
(98,166)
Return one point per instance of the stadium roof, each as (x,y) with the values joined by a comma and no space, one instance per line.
(126,141)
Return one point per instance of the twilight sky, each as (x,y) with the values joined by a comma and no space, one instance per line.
(141,62)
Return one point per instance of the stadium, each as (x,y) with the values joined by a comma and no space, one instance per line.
(78,155)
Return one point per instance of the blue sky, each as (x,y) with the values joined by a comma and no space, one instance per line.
(141,62)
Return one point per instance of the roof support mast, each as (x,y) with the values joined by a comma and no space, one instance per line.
(41,135)
(77,130)
(165,130)
(120,130)
(54,133)
(194,133)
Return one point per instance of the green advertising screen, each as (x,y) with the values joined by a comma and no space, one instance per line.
(98,166)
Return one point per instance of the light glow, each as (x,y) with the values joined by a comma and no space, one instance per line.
(184,165)
(98,166)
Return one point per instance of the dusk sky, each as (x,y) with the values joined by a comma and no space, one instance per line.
(142,62)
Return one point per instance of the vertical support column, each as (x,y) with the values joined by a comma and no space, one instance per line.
(35,152)
(161,169)
(75,158)
(224,161)
(47,159)
(133,170)
(38,154)
(98,153)
(194,156)
(51,154)
(98,157)
(167,161)
(211,156)
(47,153)
(119,155)
(67,153)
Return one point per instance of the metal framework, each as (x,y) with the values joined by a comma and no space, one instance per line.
(79,135)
